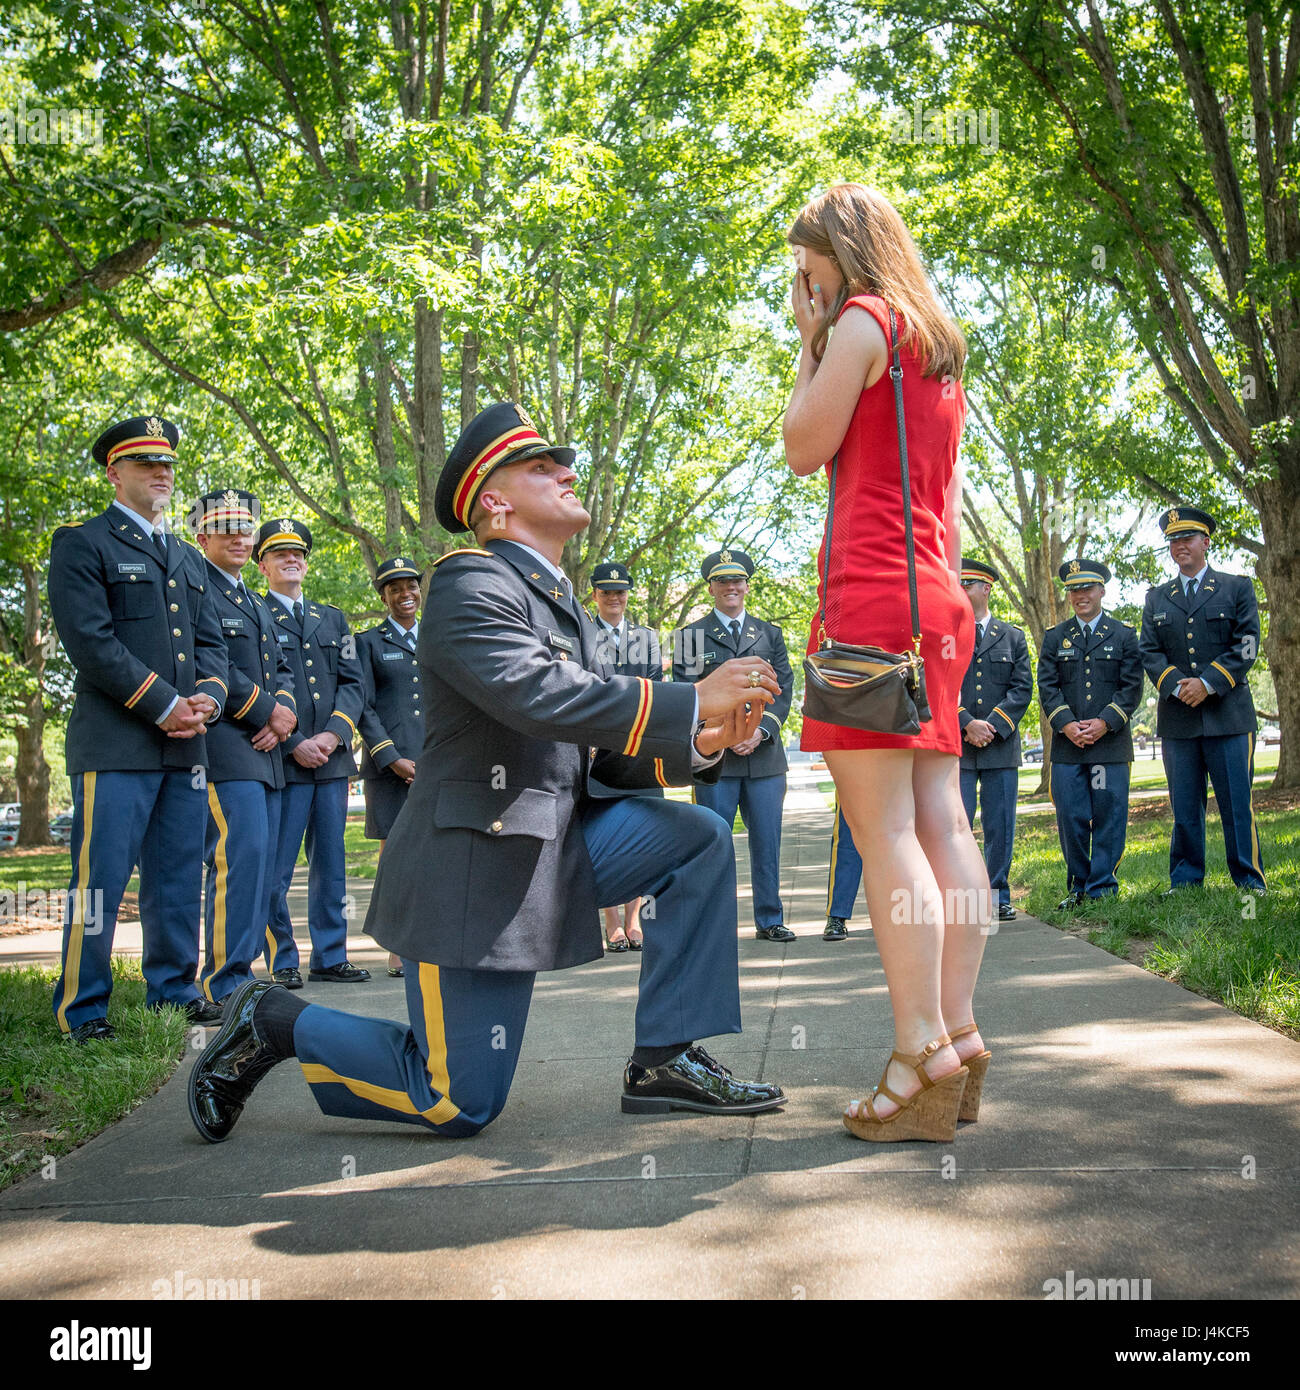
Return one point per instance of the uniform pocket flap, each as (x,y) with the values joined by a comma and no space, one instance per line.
(496,811)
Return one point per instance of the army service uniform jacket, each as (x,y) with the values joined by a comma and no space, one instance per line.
(1096,678)
(1215,636)
(392,722)
(486,868)
(259,680)
(702,646)
(140,633)
(327,685)
(998,686)
(638,654)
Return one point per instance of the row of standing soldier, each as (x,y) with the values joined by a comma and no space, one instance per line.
(1199,639)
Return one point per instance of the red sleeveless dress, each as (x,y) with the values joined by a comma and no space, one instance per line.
(868,603)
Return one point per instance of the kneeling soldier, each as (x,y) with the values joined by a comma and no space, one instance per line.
(245,766)
(130,604)
(1089,684)
(392,722)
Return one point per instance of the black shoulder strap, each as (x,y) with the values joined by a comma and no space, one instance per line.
(896,372)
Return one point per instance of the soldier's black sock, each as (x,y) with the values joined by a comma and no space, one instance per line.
(657,1056)
(276,1013)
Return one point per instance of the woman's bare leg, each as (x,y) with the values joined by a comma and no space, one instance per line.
(959,870)
(903,897)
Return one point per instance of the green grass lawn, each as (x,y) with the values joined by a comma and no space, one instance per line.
(55,1095)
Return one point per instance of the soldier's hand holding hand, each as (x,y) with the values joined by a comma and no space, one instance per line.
(265,739)
(743,679)
(187,719)
(403,768)
(980,732)
(1093,729)
(733,730)
(283,721)
(309,753)
(1191,691)
(1074,732)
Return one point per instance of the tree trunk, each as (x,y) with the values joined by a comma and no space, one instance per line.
(32,771)
(1279,574)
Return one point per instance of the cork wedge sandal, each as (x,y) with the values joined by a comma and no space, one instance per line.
(929,1114)
(978,1067)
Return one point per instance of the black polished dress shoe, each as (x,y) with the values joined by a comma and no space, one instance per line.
(1006,913)
(1070,900)
(396,972)
(93,1030)
(230,1066)
(343,973)
(289,977)
(196,1010)
(836,929)
(776,933)
(694,1081)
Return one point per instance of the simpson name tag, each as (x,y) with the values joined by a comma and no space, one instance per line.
(559,641)
(132,569)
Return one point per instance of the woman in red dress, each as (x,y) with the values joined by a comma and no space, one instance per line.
(926,884)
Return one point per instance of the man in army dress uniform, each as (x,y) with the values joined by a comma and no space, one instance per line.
(496,865)
(130,604)
(1200,637)
(321,653)
(1089,684)
(245,766)
(628,650)
(753,773)
(392,722)
(994,697)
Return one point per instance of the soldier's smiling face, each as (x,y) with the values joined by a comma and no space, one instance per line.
(534,497)
(1189,552)
(729,593)
(284,568)
(228,550)
(402,599)
(142,484)
(1085,599)
(611,604)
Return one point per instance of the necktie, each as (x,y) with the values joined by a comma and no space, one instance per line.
(735,631)
(1191,588)
(410,638)
(979,633)
(297,611)
(160,542)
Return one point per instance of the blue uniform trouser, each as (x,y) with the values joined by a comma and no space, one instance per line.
(1091,801)
(243,827)
(846,869)
(450,1069)
(119,820)
(1229,762)
(998,787)
(317,811)
(760,801)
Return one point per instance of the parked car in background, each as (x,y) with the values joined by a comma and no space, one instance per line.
(1032,754)
(61,828)
(8,836)
(11,812)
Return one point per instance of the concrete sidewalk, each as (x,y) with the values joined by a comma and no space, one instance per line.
(1130,1130)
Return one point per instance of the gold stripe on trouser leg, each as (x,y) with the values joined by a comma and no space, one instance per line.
(1250,801)
(435,1038)
(835,851)
(222,865)
(270,941)
(77,933)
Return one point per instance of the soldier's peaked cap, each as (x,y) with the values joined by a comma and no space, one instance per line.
(977,570)
(612,576)
(1186,521)
(499,435)
(149,438)
(1076,573)
(282,533)
(400,567)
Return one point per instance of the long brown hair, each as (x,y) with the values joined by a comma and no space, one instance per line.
(860,230)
